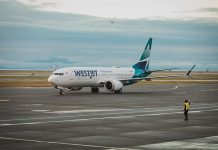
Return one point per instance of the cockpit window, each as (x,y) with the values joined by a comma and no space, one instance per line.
(59,74)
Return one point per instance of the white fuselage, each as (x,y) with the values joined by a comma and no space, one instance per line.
(89,76)
(113,79)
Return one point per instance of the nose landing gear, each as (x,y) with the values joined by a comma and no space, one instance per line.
(61,92)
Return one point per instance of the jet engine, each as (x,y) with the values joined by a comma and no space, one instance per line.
(113,85)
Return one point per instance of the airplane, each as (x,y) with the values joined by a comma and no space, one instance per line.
(113,79)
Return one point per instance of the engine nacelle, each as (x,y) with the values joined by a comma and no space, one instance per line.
(74,88)
(113,85)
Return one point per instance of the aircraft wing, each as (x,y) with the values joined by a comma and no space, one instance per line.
(170,76)
(163,70)
(126,81)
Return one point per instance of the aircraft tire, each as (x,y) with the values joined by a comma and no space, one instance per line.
(61,92)
(95,90)
(118,92)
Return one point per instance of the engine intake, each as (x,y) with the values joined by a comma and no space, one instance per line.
(113,85)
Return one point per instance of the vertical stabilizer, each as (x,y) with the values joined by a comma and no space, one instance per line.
(143,62)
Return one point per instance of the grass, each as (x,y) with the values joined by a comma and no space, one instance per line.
(12,78)
(19,78)
(25,83)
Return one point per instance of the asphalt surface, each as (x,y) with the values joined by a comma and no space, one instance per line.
(143,117)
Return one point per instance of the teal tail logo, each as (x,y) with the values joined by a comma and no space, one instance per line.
(143,63)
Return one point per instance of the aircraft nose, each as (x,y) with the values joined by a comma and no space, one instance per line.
(51,79)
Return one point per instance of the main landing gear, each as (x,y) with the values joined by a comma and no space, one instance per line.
(118,92)
(95,90)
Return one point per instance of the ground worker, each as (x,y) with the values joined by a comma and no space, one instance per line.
(186,109)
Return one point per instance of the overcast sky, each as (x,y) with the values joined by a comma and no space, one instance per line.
(184,9)
(35,34)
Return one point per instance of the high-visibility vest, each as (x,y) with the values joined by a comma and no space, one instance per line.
(186,106)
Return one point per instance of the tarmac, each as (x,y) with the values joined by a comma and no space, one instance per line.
(144,117)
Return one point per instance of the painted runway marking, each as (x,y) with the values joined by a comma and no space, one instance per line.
(5,100)
(103,118)
(40,110)
(59,143)
(194,109)
(201,143)
(85,111)
(36,104)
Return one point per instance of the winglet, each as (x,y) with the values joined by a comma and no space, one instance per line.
(189,72)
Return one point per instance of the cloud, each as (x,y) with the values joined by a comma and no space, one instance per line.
(31,38)
(212,10)
(53,60)
(48,4)
(126,8)
(17,64)
(40,4)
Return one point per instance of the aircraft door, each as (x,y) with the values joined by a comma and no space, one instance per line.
(73,76)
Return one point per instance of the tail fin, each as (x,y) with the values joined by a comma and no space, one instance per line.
(143,62)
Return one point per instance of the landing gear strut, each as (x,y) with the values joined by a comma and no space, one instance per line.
(118,92)
(95,90)
(61,92)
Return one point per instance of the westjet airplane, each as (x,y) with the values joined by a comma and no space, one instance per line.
(111,78)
